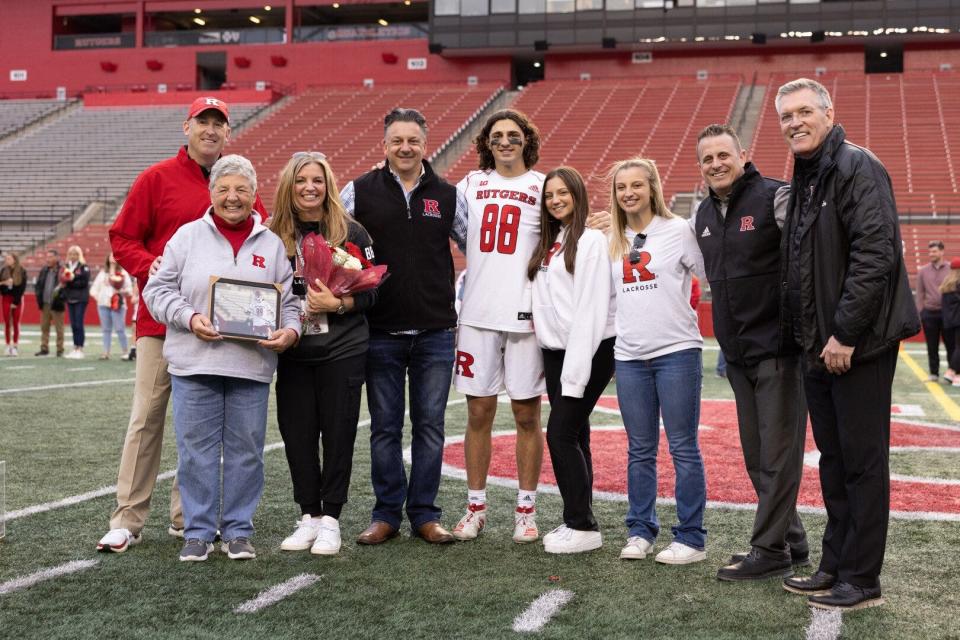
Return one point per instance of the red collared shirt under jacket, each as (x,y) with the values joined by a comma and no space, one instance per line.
(162,199)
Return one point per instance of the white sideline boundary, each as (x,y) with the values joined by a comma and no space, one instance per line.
(43,575)
(277,593)
(540,611)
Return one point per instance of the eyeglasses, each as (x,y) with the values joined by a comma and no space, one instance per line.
(638,241)
(313,155)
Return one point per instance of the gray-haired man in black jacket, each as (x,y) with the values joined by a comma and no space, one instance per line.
(849,303)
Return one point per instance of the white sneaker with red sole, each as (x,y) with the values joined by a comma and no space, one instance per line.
(118,541)
(472,523)
(525,525)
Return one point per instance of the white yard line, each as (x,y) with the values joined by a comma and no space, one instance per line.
(540,611)
(68,385)
(277,593)
(19,367)
(24,582)
(81,369)
(824,625)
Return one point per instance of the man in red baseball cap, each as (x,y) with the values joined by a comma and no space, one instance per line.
(163,198)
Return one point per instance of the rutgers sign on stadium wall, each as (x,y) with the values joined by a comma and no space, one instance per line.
(917,497)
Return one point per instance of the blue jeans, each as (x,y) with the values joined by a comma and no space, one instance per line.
(214,415)
(76,311)
(428,360)
(111,321)
(667,385)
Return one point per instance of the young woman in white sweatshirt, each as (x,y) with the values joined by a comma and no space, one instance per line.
(573,313)
(658,358)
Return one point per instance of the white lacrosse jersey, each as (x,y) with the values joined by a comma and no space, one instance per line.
(503,228)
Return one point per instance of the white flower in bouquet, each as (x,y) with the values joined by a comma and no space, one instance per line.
(343,259)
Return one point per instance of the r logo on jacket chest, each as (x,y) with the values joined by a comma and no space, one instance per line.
(431,208)
(746,223)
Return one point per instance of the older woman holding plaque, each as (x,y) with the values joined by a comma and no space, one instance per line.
(221,386)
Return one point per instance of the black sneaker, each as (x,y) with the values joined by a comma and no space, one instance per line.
(848,597)
(195,550)
(42,353)
(820,583)
(755,567)
(239,549)
(797,558)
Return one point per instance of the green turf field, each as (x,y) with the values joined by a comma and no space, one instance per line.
(61,441)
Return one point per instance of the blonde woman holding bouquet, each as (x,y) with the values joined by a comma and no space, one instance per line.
(75,280)
(319,380)
(110,290)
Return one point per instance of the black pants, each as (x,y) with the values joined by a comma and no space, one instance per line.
(568,434)
(932,331)
(851,425)
(772,415)
(320,404)
(953,355)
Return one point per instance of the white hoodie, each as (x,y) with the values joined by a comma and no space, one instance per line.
(575,312)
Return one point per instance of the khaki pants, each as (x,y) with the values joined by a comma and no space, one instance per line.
(46,316)
(140,461)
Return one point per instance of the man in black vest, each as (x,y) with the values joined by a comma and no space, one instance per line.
(738,229)
(409,212)
(849,304)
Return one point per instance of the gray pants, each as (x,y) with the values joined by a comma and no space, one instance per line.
(772,413)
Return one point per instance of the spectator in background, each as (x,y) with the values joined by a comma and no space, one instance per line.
(75,280)
(13,282)
(950,290)
(50,300)
(929,278)
(110,290)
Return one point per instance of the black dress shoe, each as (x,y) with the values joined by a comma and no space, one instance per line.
(820,583)
(797,558)
(848,597)
(755,566)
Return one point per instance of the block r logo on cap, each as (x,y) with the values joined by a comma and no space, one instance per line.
(203,103)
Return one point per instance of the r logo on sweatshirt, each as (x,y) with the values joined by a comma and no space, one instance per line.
(633,271)
(259,261)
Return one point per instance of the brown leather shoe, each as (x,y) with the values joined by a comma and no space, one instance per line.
(377,533)
(434,533)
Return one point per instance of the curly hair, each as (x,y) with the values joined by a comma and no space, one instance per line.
(531,147)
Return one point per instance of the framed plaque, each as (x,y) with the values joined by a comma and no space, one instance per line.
(243,309)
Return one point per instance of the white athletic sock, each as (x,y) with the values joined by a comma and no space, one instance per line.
(478,497)
(527,499)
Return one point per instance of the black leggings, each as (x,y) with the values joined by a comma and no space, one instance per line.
(320,404)
(568,434)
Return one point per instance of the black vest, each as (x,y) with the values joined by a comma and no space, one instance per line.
(414,243)
(741,254)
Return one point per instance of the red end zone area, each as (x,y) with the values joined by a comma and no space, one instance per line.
(728,485)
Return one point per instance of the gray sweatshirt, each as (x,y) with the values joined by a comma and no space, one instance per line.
(181,288)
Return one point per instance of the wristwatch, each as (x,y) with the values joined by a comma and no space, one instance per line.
(342,309)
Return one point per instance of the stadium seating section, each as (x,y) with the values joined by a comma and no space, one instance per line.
(903,118)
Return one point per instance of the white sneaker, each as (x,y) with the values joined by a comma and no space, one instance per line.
(525,525)
(118,540)
(472,523)
(563,539)
(14,351)
(327,542)
(679,553)
(303,536)
(76,354)
(637,548)
(9,350)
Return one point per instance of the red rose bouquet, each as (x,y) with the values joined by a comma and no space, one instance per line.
(66,275)
(343,270)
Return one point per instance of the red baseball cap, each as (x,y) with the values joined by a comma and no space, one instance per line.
(206,102)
